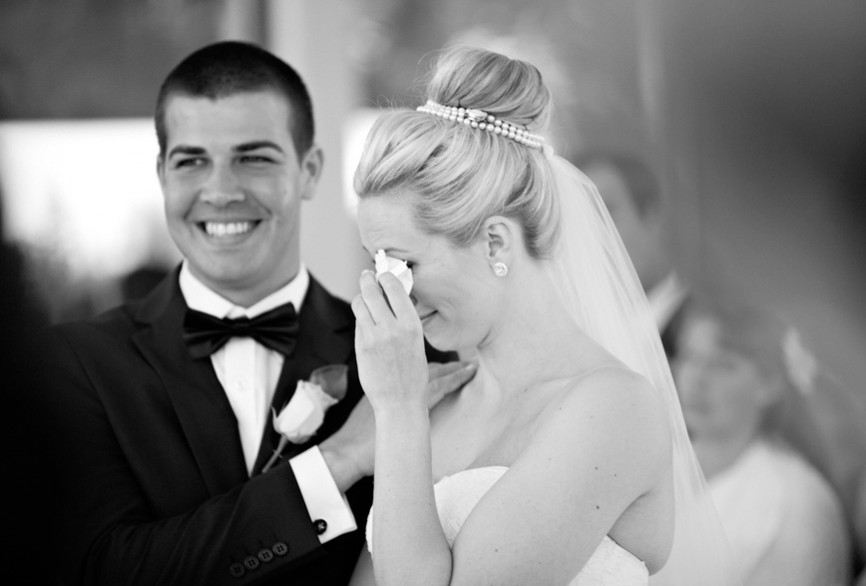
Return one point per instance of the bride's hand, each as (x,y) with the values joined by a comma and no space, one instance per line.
(389,343)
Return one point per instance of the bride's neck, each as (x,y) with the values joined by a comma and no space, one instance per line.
(531,341)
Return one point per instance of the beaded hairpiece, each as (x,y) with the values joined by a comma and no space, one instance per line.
(483,121)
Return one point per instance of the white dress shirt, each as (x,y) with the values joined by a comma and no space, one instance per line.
(248,373)
(779,512)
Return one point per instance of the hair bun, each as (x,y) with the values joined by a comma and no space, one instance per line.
(507,88)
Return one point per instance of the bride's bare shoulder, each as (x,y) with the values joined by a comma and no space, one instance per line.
(607,381)
(610,375)
(610,399)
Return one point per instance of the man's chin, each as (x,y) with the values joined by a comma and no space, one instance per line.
(222,273)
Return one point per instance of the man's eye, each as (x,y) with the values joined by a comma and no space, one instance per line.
(188,162)
(410,264)
(256,159)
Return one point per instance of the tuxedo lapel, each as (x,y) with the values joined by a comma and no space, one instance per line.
(200,403)
(326,336)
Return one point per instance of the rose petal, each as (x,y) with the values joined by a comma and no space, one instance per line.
(333,379)
(322,399)
(304,414)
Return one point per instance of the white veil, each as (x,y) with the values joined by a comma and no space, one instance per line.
(603,295)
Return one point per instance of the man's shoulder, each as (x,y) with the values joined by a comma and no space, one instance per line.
(164,301)
(321,301)
(119,317)
(104,333)
(318,289)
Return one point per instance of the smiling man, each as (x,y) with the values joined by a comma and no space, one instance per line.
(234,177)
(162,407)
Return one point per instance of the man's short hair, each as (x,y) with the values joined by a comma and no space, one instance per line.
(227,68)
(641,183)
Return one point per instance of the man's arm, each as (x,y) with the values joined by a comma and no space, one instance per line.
(134,505)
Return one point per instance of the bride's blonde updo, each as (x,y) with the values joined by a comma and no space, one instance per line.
(464,175)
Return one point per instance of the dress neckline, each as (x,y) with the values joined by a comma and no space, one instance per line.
(477,469)
(501,470)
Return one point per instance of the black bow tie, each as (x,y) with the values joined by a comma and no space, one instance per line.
(276,329)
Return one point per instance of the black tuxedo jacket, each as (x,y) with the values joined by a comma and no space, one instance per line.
(153,484)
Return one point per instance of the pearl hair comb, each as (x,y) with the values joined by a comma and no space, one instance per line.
(483,121)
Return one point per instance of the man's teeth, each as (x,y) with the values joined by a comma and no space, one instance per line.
(227,229)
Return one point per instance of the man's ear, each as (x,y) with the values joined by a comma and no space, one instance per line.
(311,171)
(160,170)
(501,235)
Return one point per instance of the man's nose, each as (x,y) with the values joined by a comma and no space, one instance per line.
(222,186)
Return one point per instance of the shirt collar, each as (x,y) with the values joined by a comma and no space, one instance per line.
(202,298)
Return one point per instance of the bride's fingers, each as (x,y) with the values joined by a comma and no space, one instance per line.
(362,314)
(398,299)
(374,298)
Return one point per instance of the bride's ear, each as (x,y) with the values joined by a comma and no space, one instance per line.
(501,236)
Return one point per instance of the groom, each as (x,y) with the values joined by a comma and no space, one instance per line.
(161,418)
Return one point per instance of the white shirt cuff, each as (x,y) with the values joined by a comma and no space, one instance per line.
(329,510)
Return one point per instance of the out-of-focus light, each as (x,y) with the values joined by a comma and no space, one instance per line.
(355,131)
(85,191)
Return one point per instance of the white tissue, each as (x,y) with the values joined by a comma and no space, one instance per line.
(395,266)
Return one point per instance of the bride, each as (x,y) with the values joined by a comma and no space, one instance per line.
(565,460)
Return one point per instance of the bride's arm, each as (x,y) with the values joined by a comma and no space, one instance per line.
(404,537)
(593,454)
(409,546)
(363,574)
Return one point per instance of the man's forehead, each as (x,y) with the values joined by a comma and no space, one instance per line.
(232,120)
(267,99)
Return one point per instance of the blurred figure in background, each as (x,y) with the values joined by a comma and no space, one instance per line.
(784,521)
(630,191)
(824,420)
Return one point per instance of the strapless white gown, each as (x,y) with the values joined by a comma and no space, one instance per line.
(457,495)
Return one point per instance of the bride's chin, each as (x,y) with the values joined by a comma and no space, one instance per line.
(437,338)
(436,342)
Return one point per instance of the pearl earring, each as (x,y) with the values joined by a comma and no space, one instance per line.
(500,269)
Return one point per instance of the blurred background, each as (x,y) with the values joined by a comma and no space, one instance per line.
(752,111)
(753,114)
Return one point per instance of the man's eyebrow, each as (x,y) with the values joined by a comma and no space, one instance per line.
(258,144)
(183,149)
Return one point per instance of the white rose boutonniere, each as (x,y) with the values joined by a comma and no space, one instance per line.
(299,420)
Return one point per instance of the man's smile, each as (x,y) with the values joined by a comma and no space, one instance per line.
(226,229)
